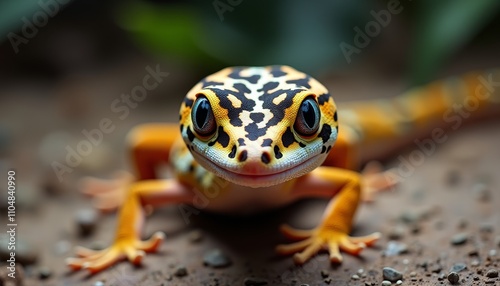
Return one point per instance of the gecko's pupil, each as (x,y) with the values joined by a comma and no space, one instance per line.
(307,121)
(308,113)
(202,113)
(203,118)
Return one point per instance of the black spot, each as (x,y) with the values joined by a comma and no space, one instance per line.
(188,102)
(323,149)
(241,142)
(267,142)
(325,133)
(302,144)
(265,158)
(254,132)
(243,156)
(257,117)
(236,75)
(301,82)
(182,128)
(276,71)
(269,86)
(337,127)
(205,83)
(222,138)
(287,138)
(233,152)
(191,168)
(328,149)
(335,116)
(277,152)
(190,134)
(322,99)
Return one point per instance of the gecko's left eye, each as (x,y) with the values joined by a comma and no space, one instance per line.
(307,121)
(203,117)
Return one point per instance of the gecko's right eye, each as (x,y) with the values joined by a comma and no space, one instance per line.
(203,117)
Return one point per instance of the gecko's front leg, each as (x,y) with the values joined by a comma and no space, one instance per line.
(127,242)
(333,232)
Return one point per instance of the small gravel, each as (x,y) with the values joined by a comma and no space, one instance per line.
(216,258)
(453,277)
(459,239)
(252,281)
(492,273)
(391,274)
(86,221)
(395,248)
(181,271)
(355,277)
(386,283)
(458,267)
(44,273)
(324,273)
(195,236)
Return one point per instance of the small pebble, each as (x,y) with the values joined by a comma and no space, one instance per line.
(458,267)
(492,253)
(459,239)
(399,282)
(44,273)
(181,271)
(492,273)
(486,227)
(482,192)
(386,283)
(324,273)
(395,248)
(473,252)
(475,263)
(410,217)
(216,258)
(436,268)
(195,236)
(86,220)
(391,274)
(99,283)
(453,277)
(396,233)
(252,281)
(355,277)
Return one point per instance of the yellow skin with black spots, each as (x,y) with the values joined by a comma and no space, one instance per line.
(254,138)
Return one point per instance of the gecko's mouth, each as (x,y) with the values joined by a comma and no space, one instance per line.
(257,179)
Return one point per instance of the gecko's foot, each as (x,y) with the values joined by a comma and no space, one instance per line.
(375,179)
(131,248)
(312,241)
(108,195)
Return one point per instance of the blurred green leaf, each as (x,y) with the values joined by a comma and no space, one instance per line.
(443,27)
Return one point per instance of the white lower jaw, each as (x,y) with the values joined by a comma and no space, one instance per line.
(259,181)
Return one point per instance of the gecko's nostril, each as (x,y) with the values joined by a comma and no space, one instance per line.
(243,156)
(266,158)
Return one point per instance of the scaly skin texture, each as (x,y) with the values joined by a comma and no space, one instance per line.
(254,138)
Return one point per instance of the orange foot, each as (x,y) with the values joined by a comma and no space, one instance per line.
(374,179)
(131,248)
(312,241)
(108,195)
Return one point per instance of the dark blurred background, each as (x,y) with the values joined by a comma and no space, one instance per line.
(64,63)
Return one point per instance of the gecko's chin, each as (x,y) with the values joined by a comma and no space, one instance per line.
(261,180)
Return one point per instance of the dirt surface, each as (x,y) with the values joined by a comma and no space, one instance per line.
(452,191)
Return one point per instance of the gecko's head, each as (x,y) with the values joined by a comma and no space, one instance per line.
(259,126)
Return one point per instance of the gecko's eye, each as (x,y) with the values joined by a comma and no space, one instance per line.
(307,122)
(203,117)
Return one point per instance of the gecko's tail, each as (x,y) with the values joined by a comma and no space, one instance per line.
(444,104)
